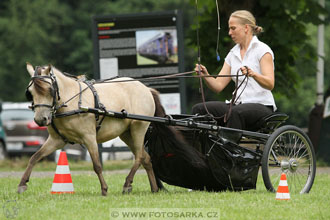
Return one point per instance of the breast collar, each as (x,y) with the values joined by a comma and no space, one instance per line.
(56,97)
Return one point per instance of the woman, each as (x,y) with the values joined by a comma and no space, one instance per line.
(254,59)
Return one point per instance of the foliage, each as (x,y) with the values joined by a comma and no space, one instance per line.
(59,32)
(29,31)
(299,105)
(56,32)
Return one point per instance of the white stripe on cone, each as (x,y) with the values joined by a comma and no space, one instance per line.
(62,169)
(62,187)
(283,183)
(282,196)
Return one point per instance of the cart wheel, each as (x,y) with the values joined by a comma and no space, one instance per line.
(289,150)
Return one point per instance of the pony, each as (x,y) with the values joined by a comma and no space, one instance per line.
(54,93)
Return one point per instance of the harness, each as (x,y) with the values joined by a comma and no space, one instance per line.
(56,96)
(98,106)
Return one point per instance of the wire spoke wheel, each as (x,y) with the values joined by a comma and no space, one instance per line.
(289,150)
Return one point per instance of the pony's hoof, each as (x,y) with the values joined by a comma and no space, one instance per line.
(104,191)
(21,189)
(155,190)
(127,190)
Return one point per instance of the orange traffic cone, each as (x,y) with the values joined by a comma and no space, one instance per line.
(283,189)
(62,182)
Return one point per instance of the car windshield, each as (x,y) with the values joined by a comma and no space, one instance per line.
(17,114)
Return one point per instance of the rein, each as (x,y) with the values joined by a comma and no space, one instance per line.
(64,104)
(234,98)
(98,104)
(201,87)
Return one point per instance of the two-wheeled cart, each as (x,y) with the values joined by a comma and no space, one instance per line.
(192,151)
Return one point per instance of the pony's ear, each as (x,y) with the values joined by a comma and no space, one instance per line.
(30,69)
(48,69)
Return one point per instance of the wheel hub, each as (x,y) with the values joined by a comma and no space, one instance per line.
(289,165)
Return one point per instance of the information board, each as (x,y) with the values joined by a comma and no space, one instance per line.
(141,46)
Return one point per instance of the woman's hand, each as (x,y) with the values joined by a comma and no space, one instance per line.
(247,71)
(201,69)
(266,78)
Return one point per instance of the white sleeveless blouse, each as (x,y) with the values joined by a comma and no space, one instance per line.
(253,92)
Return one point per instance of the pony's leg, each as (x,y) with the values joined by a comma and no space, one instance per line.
(146,162)
(49,147)
(135,139)
(94,153)
(126,137)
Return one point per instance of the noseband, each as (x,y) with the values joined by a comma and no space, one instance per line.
(54,90)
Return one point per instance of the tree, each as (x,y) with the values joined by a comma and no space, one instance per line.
(56,32)
(29,31)
(59,32)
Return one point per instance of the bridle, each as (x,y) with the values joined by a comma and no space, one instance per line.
(54,90)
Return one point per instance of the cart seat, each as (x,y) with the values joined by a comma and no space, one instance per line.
(270,122)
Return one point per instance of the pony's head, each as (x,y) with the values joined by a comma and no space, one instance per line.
(42,91)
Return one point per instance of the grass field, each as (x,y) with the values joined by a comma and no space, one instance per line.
(87,202)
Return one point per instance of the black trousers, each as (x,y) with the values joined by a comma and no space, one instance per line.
(243,116)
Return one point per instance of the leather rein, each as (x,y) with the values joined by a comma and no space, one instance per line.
(98,105)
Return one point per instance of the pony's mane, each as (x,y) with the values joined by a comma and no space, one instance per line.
(67,74)
(39,85)
(64,73)
(75,77)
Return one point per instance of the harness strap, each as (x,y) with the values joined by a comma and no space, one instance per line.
(69,113)
(80,95)
(58,132)
(96,97)
(65,114)
(97,104)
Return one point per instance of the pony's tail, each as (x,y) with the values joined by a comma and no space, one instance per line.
(160,111)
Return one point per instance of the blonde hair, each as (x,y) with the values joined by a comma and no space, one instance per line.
(245,17)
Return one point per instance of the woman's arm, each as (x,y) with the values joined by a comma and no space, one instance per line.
(219,83)
(266,79)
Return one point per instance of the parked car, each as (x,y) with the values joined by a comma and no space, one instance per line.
(24,136)
(3,152)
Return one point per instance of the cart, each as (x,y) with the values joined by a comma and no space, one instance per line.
(214,158)
(192,151)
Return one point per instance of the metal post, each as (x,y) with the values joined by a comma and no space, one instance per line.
(320,61)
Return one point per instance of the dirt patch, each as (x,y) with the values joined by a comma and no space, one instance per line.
(6,174)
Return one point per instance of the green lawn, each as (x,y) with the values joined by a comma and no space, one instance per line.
(87,202)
